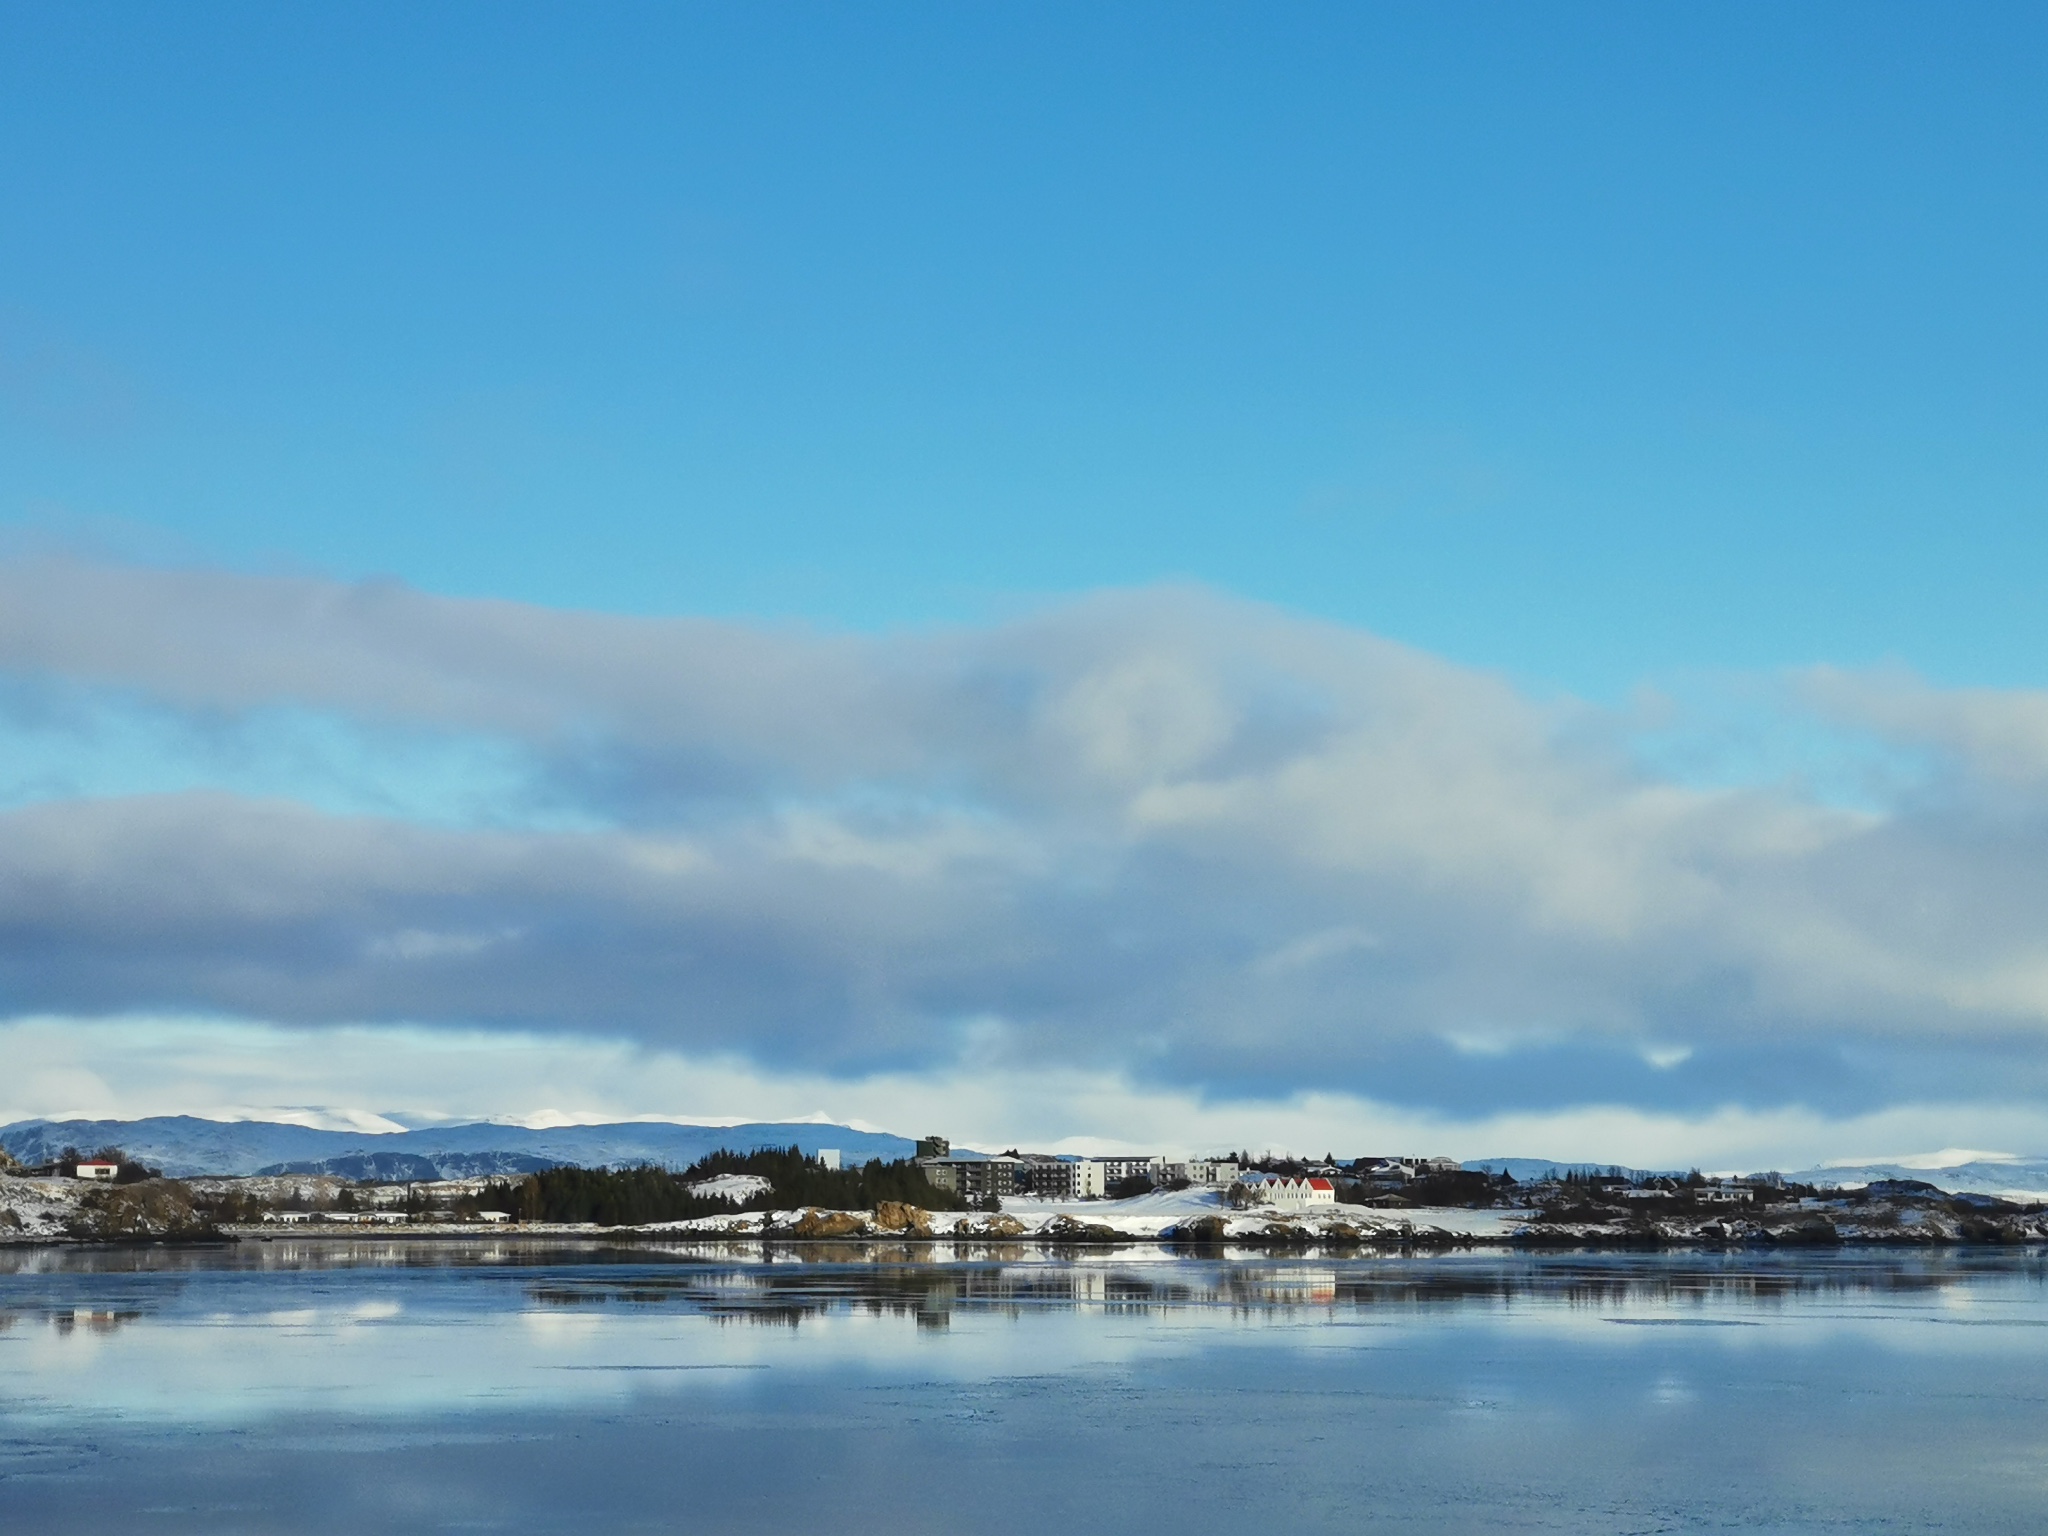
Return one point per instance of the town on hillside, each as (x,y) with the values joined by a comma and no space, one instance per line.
(941,1191)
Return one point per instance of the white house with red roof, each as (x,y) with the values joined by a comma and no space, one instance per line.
(1285,1191)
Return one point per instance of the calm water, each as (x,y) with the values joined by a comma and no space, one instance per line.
(305,1387)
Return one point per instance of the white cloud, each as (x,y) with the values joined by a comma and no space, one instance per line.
(383,1078)
(1162,837)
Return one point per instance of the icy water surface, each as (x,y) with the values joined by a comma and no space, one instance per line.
(364,1387)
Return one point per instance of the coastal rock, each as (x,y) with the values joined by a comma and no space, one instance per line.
(817,1223)
(1069,1229)
(1202,1229)
(991,1226)
(155,1208)
(895,1216)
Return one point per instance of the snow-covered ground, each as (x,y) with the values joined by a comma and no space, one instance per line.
(1159,1214)
(42,1207)
(731,1186)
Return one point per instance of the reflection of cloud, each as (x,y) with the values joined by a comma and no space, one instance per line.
(1158,833)
(389,1340)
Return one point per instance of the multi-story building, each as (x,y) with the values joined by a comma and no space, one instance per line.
(973,1178)
(1060,1178)
(1116,1169)
(1205,1171)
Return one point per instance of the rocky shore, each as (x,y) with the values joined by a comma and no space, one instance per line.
(56,1210)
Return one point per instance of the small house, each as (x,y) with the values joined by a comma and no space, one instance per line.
(102,1173)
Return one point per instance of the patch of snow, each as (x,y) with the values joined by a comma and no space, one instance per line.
(1152,1215)
(730,1186)
(44,1207)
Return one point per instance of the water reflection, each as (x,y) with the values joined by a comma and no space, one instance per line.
(932,1292)
(398,1386)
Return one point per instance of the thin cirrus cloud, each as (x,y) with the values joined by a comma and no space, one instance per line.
(1162,837)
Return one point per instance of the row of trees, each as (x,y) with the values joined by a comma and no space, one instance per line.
(631,1196)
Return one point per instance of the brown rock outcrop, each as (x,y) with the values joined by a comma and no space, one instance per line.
(991,1226)
(1067,1229)
(817,1223)
(154,1208)
(895,1216)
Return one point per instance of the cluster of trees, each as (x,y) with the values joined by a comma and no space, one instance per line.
(631,1196)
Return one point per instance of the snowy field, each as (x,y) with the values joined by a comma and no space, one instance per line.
(41,1207)
(1159,1214)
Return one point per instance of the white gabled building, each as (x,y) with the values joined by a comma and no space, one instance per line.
(1284,1192)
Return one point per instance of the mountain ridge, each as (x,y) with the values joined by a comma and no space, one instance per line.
(185,1146)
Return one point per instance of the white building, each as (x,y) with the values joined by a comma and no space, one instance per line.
(100,1173)
(1284,1192)
(1059,1178)
(1723,1194)
(1206,1172)
(828,1157)
(1116,1169)
(493,1216)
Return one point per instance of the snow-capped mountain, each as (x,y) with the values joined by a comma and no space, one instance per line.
(2024,1179)
(184,1146)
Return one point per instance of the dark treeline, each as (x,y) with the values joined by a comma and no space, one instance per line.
(800,1180)
(630,1196)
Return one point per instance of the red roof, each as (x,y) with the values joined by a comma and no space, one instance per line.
(1320,1184)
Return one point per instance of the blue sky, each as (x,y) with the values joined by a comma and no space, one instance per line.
(1584,342)
(1671,381)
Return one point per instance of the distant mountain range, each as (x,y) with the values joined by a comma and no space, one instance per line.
(2023,1179)
(185,1147)
(1527,1168)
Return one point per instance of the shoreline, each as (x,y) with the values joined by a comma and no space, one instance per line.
(971,1246)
